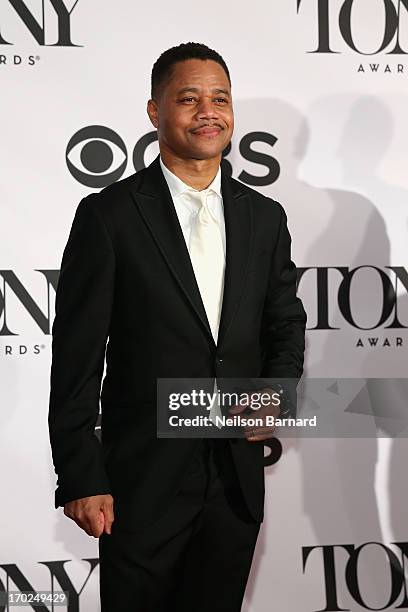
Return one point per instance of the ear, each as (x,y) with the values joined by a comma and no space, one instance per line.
(153,112)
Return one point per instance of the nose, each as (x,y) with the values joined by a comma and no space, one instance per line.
(206,109)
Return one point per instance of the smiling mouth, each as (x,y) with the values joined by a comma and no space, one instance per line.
(207,131)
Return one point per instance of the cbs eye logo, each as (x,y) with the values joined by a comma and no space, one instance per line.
(96,156)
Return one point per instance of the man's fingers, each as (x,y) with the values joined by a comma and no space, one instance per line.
(93,514)
(259,433)
(91,522)
(260,437)
(95,524)
(109,516)
(237,409)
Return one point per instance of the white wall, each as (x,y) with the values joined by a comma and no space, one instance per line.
(341,148)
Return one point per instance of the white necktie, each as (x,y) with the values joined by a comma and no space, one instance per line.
(208,261)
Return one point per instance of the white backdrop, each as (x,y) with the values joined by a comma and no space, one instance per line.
(332,129)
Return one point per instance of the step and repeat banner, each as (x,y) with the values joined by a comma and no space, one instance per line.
(320,99)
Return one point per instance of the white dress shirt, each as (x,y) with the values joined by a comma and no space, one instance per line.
(186,211)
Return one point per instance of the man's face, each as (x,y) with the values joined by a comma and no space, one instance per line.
(194,116)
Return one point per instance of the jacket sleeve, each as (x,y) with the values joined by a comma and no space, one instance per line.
(283,320)
(80,329)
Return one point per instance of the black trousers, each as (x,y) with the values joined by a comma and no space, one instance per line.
(195,557)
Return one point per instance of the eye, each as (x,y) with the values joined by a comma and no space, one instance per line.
(96,156)
(188,99)
(222,99)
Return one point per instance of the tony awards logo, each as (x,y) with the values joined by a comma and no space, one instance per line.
(342,28)
(46,23)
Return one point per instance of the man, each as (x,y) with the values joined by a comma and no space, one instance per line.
(187,273)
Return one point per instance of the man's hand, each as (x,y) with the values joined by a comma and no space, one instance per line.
(93,514)
(256,434)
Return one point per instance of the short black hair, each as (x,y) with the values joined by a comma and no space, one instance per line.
(162,68)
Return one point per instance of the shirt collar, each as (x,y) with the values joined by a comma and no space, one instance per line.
(177,186)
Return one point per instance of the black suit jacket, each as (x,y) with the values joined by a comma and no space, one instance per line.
(126,277)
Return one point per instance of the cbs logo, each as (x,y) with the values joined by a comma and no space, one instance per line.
(97,156)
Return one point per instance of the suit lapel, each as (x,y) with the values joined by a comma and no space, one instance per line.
(155,204)
(239,235)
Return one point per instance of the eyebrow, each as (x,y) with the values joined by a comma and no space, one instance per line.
(196,90)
